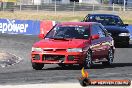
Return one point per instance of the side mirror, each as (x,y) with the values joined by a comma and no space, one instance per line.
(95,37)
(125,24)
(41,36)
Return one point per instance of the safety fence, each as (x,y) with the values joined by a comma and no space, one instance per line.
(26,27)
(74,7)
(59,6)
(19,26)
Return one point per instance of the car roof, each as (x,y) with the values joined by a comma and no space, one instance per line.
(102,15)
(76,23)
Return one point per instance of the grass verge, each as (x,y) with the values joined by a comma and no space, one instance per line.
(61,15)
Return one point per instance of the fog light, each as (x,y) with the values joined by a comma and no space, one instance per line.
(36,57)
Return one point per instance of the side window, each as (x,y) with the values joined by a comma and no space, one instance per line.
(96,29)
(104,30)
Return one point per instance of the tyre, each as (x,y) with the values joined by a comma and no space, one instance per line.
(88,60)
(81,66)
(65,66)
(37,66)
(61,65)
(109,58)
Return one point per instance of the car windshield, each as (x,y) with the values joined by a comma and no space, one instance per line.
(64,32)
(107,20)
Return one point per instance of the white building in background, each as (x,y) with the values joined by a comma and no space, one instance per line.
(90,1)
(36,2)
(68,1)
(57,1)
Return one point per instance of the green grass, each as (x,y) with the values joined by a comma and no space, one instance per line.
(59,16)
(127,21)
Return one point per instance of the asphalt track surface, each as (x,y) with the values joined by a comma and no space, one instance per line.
(23,73)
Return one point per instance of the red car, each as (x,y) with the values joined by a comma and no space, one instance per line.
(69,43)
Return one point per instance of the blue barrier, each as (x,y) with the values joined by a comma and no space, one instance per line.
(28,27)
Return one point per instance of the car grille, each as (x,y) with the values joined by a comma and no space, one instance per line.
(53,57)
(54,50)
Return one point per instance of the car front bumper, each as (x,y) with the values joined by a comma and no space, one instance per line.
(121,39)
(58,57)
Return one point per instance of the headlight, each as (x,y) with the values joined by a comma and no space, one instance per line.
(124,34)
(75,50)
(36,49)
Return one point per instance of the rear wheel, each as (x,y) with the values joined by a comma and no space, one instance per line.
(88,60)
(109,58)
(37,66)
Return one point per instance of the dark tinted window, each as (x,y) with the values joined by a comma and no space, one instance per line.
(77,32)
(106,20)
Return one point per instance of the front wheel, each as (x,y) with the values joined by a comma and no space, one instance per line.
(88,60)
(109,58)
(37,66)
(62,65)
(65,66)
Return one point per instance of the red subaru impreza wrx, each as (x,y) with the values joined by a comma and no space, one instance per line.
(69,43)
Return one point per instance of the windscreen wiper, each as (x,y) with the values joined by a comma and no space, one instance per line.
(60,38)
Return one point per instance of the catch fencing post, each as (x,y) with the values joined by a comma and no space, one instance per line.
(113,7)
(124,5)
(74,8)
(3,6)
(93,8)
(20,5)
(55,6)
(37,7)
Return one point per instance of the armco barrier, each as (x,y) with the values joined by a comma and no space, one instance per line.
(27,27)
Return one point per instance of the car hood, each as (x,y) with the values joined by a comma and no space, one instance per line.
(116,29)
(51,43)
